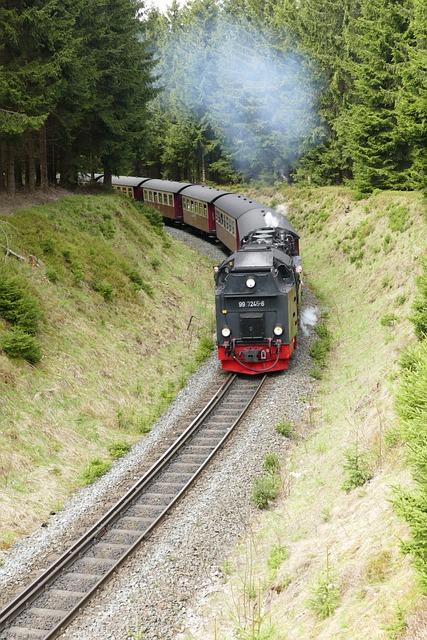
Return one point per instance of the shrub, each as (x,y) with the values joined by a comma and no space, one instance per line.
(265,488)
(104,288)
(271,463)
(52,275)
(48,246)
(322,346)
(17,305)
(277,555)
(398,217)
(137,279)
(154,218)
(155,263)
(16,343)
(358,469)
(95,469)
(77,271)
(118,449)
(284,427)
(204,349)
(419,317)
(389,320)
(325,597)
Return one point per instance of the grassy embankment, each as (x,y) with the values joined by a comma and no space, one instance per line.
(110,301)
(325,560)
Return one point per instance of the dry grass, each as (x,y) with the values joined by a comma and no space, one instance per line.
(355,536)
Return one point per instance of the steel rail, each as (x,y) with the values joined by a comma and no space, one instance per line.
(96,533)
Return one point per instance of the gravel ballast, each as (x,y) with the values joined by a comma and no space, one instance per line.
(155,591)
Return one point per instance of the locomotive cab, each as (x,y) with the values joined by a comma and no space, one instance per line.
(256,299)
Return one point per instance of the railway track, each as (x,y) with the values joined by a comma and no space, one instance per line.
(48,604)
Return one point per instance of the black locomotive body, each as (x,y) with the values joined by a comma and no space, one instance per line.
(257,295)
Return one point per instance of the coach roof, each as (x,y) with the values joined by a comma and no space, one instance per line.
(206,194)
(166,185)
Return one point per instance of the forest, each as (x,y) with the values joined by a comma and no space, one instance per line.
(317,92)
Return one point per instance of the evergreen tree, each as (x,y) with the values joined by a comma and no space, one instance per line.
(369,125)
(319,31)
(34,37)
(116,86)
(411,104)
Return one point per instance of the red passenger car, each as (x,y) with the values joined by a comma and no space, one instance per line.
(165,195)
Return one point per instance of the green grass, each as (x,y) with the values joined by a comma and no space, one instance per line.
(112,310)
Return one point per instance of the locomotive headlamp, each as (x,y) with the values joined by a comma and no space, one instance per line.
(278,330)
(250,282)
(225,332)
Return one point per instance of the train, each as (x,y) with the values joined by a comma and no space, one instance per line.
(257,287)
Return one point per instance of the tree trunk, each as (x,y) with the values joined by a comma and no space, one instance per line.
(43,158)
(2,166)
(18,172)
(30,174)
(10,171)
(107,177)
(203,169)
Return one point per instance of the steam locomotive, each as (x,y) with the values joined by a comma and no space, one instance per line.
(258,287)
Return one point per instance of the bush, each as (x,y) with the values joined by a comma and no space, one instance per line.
(271,463)
(265,488)
(154,218)
(204,349)
(419,317)
(284,427)
(17,305)
(398,217)
(77,271)
(95,469)
(105,289)
(325,597)
(16,343)
(118,449)
(358,469)
(52,275)
(389,320)
(277,555)
(322,346)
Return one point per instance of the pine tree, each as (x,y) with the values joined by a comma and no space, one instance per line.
(411,103)
(35,45)
(368,126)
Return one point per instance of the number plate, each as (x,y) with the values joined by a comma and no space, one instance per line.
(250,304)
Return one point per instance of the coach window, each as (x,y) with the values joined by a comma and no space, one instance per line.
(155,197)
(165,198)
(170,200)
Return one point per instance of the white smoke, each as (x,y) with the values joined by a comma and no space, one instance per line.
(271,220)
(261,100)
(283,209)
(309,318)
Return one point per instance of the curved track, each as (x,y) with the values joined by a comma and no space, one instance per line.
(47,605)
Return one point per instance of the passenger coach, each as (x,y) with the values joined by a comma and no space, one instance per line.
(198,207)
(129,185)
(165,195)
